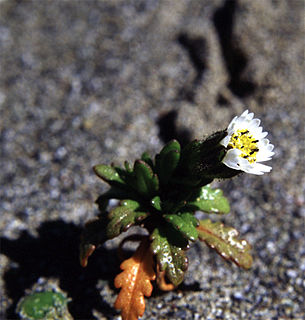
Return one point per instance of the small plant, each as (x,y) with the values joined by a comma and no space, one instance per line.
(48,303)
(162,195)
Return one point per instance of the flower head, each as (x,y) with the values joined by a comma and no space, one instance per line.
(246,145)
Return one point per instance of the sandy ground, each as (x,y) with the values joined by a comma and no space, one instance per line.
(87,82)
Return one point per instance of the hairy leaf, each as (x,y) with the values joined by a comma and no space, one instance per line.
(211,201)
(135,283)
(167,161)
(168,246)
(224,240)
(123,217)
(146,182)
(185,223)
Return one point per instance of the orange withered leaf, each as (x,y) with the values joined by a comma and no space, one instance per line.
(135,283)
(161,282)
(86,251)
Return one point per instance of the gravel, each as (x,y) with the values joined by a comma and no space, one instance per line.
(87,82)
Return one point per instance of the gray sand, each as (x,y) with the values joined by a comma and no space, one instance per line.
(87,82)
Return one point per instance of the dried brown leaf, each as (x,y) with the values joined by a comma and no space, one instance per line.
(85,253)
(161,282)
(135,282)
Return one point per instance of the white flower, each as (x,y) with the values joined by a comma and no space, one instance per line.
(246,145)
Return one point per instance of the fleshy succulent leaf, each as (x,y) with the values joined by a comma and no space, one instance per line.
(167,161)
(123,217)
(171,145)
(146,158)
(49,304)
(224,240)
(168,246)
(185,223)
(156,203)
(127,166)
(146,182)
(210,200)
(108,173)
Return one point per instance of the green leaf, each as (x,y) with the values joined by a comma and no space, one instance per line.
(185,223)
(146,158)
(146,182)
(127,166)
(45,305)
(123,217)
(224,240)
(156,203)
(211,201)
(167,161)
(109,174)
(168,246)
(172,145)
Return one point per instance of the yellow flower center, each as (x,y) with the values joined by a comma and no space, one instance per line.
(244,141)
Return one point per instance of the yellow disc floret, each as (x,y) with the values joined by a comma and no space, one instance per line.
(244,141)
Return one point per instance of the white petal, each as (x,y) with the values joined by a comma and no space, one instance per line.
(245,113)
(231,159)
(254,124)
(265,151)
(264,142)
(245,165)
(241,123)
(270,147)
(256,132)
(264,157)
(264,134)
(225,141)
(257,172)
(250,116)
(231,125)
(260,169)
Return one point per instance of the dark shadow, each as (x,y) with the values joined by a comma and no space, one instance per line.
(168,129)
(193,287)
(222,100)
(234,57)
(54,253)
(196,49)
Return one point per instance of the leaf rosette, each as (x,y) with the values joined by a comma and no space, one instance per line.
(162,195)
